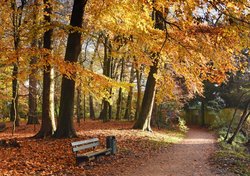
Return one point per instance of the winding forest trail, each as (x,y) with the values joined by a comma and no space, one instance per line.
(187,158)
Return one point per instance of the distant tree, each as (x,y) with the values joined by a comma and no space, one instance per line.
(33,92)
(127,114)
(17,17)
(243,119)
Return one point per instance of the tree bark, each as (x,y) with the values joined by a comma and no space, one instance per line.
(234,115)
(32,114)
(48,121)
(106,111)
(14,102)
(143,122)
(16,21)
(91,101)
(65,126)
(84,107)
(91,108)
(119,100)
(78,105)
(203,109)
(243,119)
(127,114)
(139,94)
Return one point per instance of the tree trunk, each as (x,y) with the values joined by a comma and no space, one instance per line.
(143,122)
(48,121)
(138,100)
(91,107)
(91,102)
(157,116)
(119,100)
(243,119)
(127,114)
(14,102)
(78,105)
(65,126)
(110,112)
(234,115)
(84,107)
(16,21)
(32,114)
(203,109)
(105,113)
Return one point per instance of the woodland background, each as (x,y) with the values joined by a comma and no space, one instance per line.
(160,63)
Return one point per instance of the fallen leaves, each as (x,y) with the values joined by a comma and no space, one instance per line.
(55,156)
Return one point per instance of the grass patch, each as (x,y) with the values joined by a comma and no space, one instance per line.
(234,161)
(232,157)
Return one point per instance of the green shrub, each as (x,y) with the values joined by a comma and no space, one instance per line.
(182,125)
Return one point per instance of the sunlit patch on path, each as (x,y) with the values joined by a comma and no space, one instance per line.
(187,158)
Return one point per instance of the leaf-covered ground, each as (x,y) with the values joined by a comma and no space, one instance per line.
(55,157)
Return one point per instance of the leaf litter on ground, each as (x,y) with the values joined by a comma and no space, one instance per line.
(55,157)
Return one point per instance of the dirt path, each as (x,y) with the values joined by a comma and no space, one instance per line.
(188,158)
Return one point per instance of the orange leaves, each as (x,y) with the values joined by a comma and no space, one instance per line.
(184,48)
(55,157)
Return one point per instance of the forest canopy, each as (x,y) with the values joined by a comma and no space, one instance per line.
(108,48)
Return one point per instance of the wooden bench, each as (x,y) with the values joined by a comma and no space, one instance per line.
(79,146)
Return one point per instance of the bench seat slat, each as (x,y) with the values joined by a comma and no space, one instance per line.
(94,144)
(95,153)
(84,142)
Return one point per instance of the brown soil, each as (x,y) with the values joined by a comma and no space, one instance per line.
(188,158)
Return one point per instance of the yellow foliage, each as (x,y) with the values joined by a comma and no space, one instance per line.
(187,50)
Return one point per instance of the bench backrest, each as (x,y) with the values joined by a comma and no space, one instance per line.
(81,145)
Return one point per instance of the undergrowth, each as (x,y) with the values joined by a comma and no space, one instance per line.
(232,157)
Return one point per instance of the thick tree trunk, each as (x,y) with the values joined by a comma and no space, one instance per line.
(65,126)
(143,122)
(48,121)
(127,114)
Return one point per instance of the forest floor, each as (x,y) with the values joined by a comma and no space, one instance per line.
(139,153)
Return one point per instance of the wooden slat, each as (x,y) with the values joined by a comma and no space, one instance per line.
(94,144)
(96,153)
(84,142)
